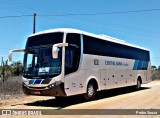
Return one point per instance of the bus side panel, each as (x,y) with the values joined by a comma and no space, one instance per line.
(146,78)
(103,79)
(75,83)
(149,73)
(93,74)
(122,78)
(131,76)
(146,74)
(111,79)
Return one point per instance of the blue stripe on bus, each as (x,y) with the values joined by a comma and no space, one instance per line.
(135,65)
(31,81)
(38,81)
(139,65)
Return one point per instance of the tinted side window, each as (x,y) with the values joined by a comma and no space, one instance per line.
(72,53)
(106,48)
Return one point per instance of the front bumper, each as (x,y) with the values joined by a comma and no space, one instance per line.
(57,90)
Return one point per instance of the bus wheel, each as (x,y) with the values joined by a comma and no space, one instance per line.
(90,94)
(138,86)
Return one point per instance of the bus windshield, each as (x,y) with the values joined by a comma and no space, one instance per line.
(38,61)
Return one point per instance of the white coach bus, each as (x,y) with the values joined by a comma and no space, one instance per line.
(65,62)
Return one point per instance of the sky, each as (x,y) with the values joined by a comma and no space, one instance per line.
(138,28)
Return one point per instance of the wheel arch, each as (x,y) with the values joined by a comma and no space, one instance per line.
(94,80)
(139,77)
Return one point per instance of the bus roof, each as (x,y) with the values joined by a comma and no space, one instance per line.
(101,36)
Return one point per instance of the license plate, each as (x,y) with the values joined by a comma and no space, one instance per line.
(37,92)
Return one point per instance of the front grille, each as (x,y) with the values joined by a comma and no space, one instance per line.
(40,88)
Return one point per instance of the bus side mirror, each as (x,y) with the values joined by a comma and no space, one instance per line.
(55,52)
(10,53)
(10,56)
(55,49)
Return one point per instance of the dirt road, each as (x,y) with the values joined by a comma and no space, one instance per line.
(124,98)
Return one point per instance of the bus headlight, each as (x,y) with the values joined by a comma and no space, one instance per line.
(51,85)
(54,84)
(57,83)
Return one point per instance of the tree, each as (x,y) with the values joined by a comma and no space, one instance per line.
(158,68)
(14,69)
(5,70)
(154,67)
(17,68)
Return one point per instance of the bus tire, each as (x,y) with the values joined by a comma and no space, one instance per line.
(90,93)
(138,86)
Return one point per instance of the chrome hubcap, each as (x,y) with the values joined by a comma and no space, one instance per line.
(138,84)
(90,91)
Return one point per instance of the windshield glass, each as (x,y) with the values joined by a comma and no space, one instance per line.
(38,59)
